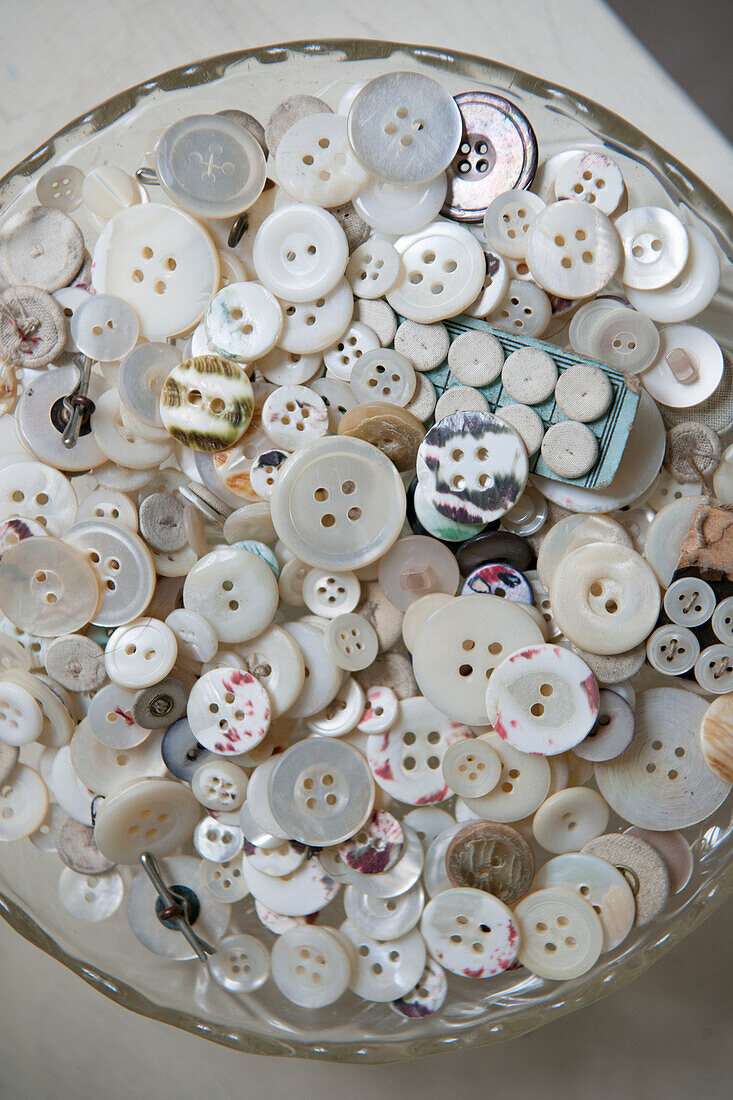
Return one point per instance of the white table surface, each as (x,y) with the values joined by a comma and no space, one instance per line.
(668,1033)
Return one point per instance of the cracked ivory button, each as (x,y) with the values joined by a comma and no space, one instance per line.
(661,781)
(21,718)
(522,787)
(655,244)
(613,730)
(490,857)
(406,761)
(573,249)
(148,815)
(643,868)
(40,247)
(241,964)
(561,936)
(460,644)
(140,654)
(162,937)
(605,598)
(470,932)
(228,711)
(471,768)
(47,587)
(568,819)
(542,699)
(235,590)
(600,884)
(385,970)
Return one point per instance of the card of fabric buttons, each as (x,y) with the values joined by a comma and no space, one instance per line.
(656,247)
(600,884)
(443,270)
(210,166)
(160,261)
(643,868)
(385,970)
(498,151)
(490,857)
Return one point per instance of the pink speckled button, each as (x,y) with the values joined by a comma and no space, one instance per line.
(470,932)
(228,711)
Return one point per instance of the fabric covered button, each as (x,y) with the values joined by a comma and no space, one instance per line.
(425,346)
(476,358)
(569,449)
(470,932)
(76,662)
(643,868)
(529,375)
(300,252)
(693,452)
(561,936)
(311,967)
(443,270)
(527,424)
(460,399)
(583,392)
(161,705)
(605,598)
(33,328)
(600,884)
(40,247)
(656,247)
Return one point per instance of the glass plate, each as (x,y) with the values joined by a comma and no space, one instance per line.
(107,955)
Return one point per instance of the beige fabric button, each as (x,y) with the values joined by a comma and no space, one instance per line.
(605,598)
(522,787)
(390,670)
(379,317)
(583,392)
(46,587)
(613,669)
(560,936)
(529,375)
(716,737)
(390,428)
(40,247)
(674,849)
(33,332)
(77,850)
(415,567)
(491,857)
(526,423)
(149,815)
(641,865)
(600,884)
(425,346)
(424,399)
(569,449)
(661,781)
(475,358)
(460,644)
(569,819)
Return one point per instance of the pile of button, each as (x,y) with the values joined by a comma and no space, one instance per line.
(313,639)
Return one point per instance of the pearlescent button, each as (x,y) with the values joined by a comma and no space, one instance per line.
(384,918)
(571,532)
(394,208)
(656,247)
(315,161)
(380,711)
(300,252)
(241,964)
(342,357)
(524,309)
(672,649)
(385,970)
(427,997)
(104,327)
(90,897)
(443,271)
(600,884)
(560,936)
(228,711)
(415,567)
(573,249)
(312,966)
(722,621)
(322,677)
(714,669)
(279,861)
(235,590)
(624,339)
(47,587)
(243,321)
(32,490)
(104,770)
(147,815)
(613,730)
(23,803)
(522,787)
(111,721)
(21,718)
(471,768)
(140,654)
(351,642)
(316,324)
(383,375)
(593,177)
(61,187)
(373,268)
(470,932)
(689,601)
(674,850)
(507,221)
(377,846)
(303,892)
(122,565)
(217,841)
(294,416)
(342,714)
(690,292)
(486,856)
(687,369)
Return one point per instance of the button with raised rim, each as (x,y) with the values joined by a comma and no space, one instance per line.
(147,815)
(573,249)
(140,654)
(443,271)
(561,936)
(613,730)
(241,964)
(672,649)
(714,669)
(385,970)
(600,884)
(487,856)
(522,787)
(47,587)
(471,768)
(656,247)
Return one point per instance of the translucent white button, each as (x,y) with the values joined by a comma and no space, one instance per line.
(688,368)
(600,884)
(21,718)
(542,699)
(111,721)
(219,785)
(23,803)
(315,162)
(107,190)
(294,416)
(123,567)
(395,208)
(216,840)
(666,533)
(385,970)
(61,187)
(384,918)
(524,308)
(458,647)
(404,127)
(228,711)
(561,936)
(343,356)
(571,532)
(672,649)
(714,669)
(470,932)
(90,897)
(148,815)
(323,678)
(103,770)
(415,567)
(32,490)
(623,339)
(337,397)
(241,964)
(406,762)
(471,768)
(316,324)
(380,712)
(593,177)
(351,642)
(373,268)
(342,714)
(46,587)
(110,505)
(568,819)
(278,862)
(605,598)
(104,327)
(573,249)
(163,937)
(300,252)
(277,662)
(656,246)
(383,375)
(376,847)
(243,321)
(340,502)
(613,730)
(661,781)
(443,269)
(690,292)
(210,165)
(160,261)
(522,787)
(119,443)
(304,891)
(196,637)
(507,221)
(140,654)
(236,591)
(224,881)
(690,602)
(311,966)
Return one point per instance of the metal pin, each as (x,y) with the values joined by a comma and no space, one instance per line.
(175,908)
(147,175)
(239,227)
(78,405)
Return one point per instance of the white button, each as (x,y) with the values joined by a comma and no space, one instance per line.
(623,339)
(385,970)
(218,841)
(561,937)
(714,669)
(337,397)
(524,309)
(443,271)
(224,881)
(427,997)
(47,587)
(593,177)
(404,127)
(507,221)
(277,662)
(568,819)
(655,245)
(304,891)
(314,325)
(688,368)
(300,252)
(722,623)
(573,249)
(60,187)
(23,803)
(312,967)
(294,416)
(315,162)
(104,327)
(196,637)
(277,923)
(241,964)
(605,598)
(661,781)
(373,268)
(21,718)
(495,285)
(285,368)
(321,791)
(342,357)
(243,321)
(34,491)
(380,712)
(418,613)
(571,532)
(255,816)
(471,768)
(672,649)
(406,761)
(123,567)
(228,711)
(104,770)
(690,292)
(235,590)
(71,794)
(472,466)
(111,721)
(148,815)
(339,502)
(470,932)
(342,714)
(522,787)
(394,208)
(351,642)
(690,602)
(600,884)
(164,938)
(108,189)
(542,699)
(90,897)
(529,375)
(160,261)
(219,785)
(723,478)
(111,505)
(121,445)
(613,730)
(277,862)
(666,533)
(428,822)
(210,165)
(384,918)
(460,644)
(140,654)
(383,375)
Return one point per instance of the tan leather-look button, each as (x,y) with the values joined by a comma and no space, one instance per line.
(393,430)
(491,857)
(40,247)
(641,865)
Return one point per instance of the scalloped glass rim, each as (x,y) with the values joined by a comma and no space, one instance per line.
(683,187)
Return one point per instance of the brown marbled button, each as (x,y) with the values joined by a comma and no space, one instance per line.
(716,737)
(487,856)
(395,431)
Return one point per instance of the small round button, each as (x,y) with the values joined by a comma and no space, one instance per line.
(140,654)
(104,327)
(655,244)
(689,602)
(672,649)
(471,768)
(499,580)
(714,669)
(241,964)
(21,718)
(385,970)
(522,787)
(90,897)
(351,642)
(475,358)
(47,587)
(383,375)
(219,785)
(312,967)
(61,187)
(507,221)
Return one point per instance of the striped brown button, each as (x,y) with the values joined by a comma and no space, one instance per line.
(496,858)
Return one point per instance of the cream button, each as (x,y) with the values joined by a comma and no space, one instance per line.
(593,177)
(655,245)
(385,970)
(383,375)
(148,815)
(123,567)
(341,359)
(300,252)
(471,768)
(380,711)
(643,868)
(395,208)
(573,249)
(217,841)
(108,505)
(600,884)
(688,368)
(496,282)
(219,785)
(32,490)
(716,738)
(162,937)
(90,897)
(623,339)
(314,325)
(443,270)
(373,268)
(351,642)
(312,967)
(572,532)
(330,594)
(339,503)
(342,714)
(605,598)
(524,309)
(140,654)
(241,964)
(457,648)
(21,718)
(613,730)
(47,587)
(119,443)
(690,602)
(235,591)
(302,892)
(714,669)
(560,936)
(322,678)
(522,786)
(542,699)
(666,534)
(690,292)
(508,219)
(722,621)
(315,162)
(23,803)
(674,850)
(470,933)
(418,613)
(104,327)
(415,567)
(568,819)
(672,649)
(661,780)
(104,770)
(61,187)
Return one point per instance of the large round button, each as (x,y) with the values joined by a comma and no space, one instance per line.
(41,247)
(385,970)
(573,249)
(600,884)
(123,567)
(235,590)
(340,503)
(47,588)
(443,271)
(228,711)
(687,369)
(300,252)
(470,932)
(561,936)
(148,815)
(568,819)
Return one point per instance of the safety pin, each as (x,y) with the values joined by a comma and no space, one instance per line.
(176,909)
